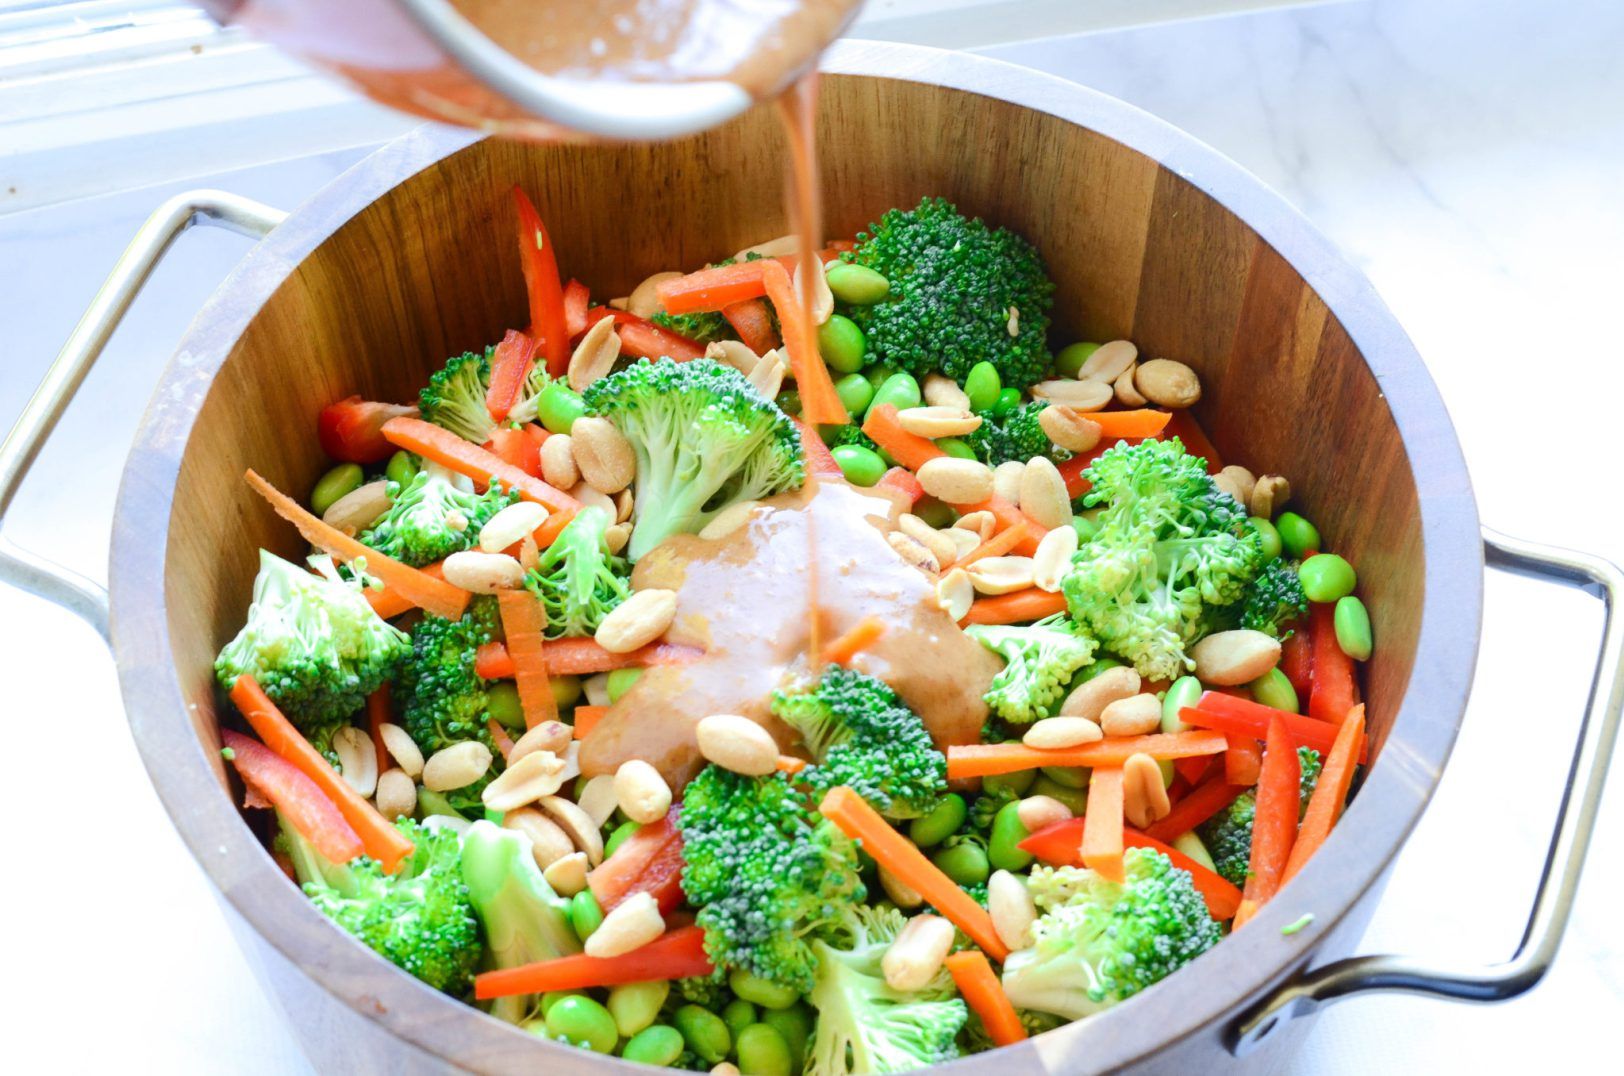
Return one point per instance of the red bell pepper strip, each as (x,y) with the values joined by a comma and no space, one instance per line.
(1192,769)
(518,448)
(819,460)
(1332,690)
(1200,804)
(754,325)
(351,430)
(1274,825)
(676,954)
(1297,659)
(576,301)
(580,657)
(1229,714)
(291,792)
(510,366)
(378,716)
(1184,426)
(1243,760)
(542,284)
(649,861)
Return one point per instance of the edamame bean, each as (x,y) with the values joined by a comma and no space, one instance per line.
(658,1045)
(559,406)
(401,468)
(1271,537)
(502,703)
(637,1005)
(1074,798)
(566,690)
(1097,666)
(1007,833)
(763,1052)
(899,390)
(841,344)
(617,838)
(1070,776)
(586,915)
(1274,689)
(763,992)
(965,863)
(941,823)
(879,374)
(704,1032)
(345,478)
(982,384)
(1182,693)
(1297,535)
(957,449)
(493,816)
(738,1014)
(935,513)
(789,402)
(582,1020)
(1352,622)
(1327,577)
(795,1024)
(861,465)
(1016,783)
(855,393)
(856,284)
(1009,399)
(620,682)
(1085,526)
(553,997)
(1071,358)
(431,803)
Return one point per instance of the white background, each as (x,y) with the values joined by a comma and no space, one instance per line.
(1467,155)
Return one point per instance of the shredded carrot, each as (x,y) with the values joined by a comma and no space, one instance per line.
(1202,802)
(1274,821)
(989,759)
(500,737)
(891,850)
(676,954)
(1007,516)
(523,622)
(434,595)
(791,764)
(1102,824)
(378,716)
(997,545)
(909,449)
(1022,605)
(1243,761)
(754,325)
(587,718)
(551,528)
(389,602)
(381,840)
(1124,425)
(979,986)
(1330,794)
(820,404)
(453,453)
(858,638)
(581,657)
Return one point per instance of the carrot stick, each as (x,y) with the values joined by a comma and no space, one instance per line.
(542,284)
(587,718)
(1122,425)
(434,595)
(1008,515)
(284,786)
(997,545)
(388,602)
(551,527)
(715,288)
(523,623)
(790,764)
(1184,426)
(1204,801)
(891,850)
(676,954)
(754,325)
(989,759)
(377,716)
(1060,845)
(500,737)
(858,637)
(979,986)
(452,452)
(1229,714)
(909,449)
(1243,760)
(1332,688)
(901,481)
(1330,794)
(1022,605)
(820,404)
(1102,824)
(819,460)
(1274,823)
(381,840)
(581,657)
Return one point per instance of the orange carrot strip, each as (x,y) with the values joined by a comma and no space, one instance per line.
(909,449)
(1274,821)
(858,637)
(891,850)
(377,716)
(587,718)
(452,452)
(754,325)
(989,759)
(713,289)
(820,404)
(434,595)
(1183,425)
(381,840)
(551,528)
(1330,794)
(791,764)
(1122,425)
(997,545)
(388,602)
(979,986)
(1102,824)
(1060,845)
(1013,608)
(500,737)
(523,623)
(676,954)
(1008,515)
(1243,760)
(581,657)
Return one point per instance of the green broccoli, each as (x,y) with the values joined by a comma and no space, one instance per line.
(442,700)
(849,434)
(864,1025)
(524,920)
(524,409)
(418,919)
(1016,437)
(704,438)
(861,734)
(1039,661)
(436,515)
(1170,546)
(314,644)
(961,293)
(766,872)
(455,397)
(975,1040)
(1228,834)
(1275,600)
(703,326)
(1099,942)
(578,581)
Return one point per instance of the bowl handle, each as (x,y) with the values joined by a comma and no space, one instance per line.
(1570,839)
(39,417)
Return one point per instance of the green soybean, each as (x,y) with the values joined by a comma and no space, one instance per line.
(1070,776)
(431,803)
(566,690)
(982,384)
(582,1020)
(401,468)
(1097,666)
(789,402)
(965,863)
(1015,783)
(795,1024)
(1352,622)
(935,513)
(1009,398)
(553,997)
(658,1045)
(861,465)
(585,914)
(636,1005)
(738,1014)
(1182,693)
(502,703)
(1270,536)
(900,390)
(841,344)
(1074,798)
(1007,833)
(617,838)
(704,1032)
(559,406)
(856,284)
(1327,578)
(763,992)
(957,449)
(855,393)
(1071,358)
(1274,689)
(1297,535)
(941,823)
(763,1052)
(343,479)
(620,682)
(879,374)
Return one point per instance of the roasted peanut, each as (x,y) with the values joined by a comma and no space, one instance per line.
(1038,812)
(942,391)
(738,744)
(631,924)
(567,874)
(1053,558)
(402,748)
(397,794)
(603,455)
(734,353)
(358,509)
(1006,480)
(956,481)
(575,822)
(728,520)
(954,593)
(558,461)
(1231,658)
(1069,428)
(357,759)
(1108,361)
(595,355)
(644,301)
(1091,697)
(641,792)
(1057,732)
(1144,797)
(1081,395)
(457,766)
(901,893)
(913,551)
(1043,494)
(512,524)
(1011,908)
(637,621)
(1134,716)
(554,736)
(599,799)
(982,523)
(548,841)
(1168,383)
(916,955)
(483,573)
(936,422)
(1237,481)
(537,774)
(1127,392)
(1000,575)
(1269,495)
(940,545)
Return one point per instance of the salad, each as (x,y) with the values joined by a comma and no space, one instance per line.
(781,675)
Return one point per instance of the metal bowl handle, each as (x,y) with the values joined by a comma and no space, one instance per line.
(29,571)
(1570,840)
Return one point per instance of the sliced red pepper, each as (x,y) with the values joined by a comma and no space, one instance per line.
(642,339)
(649,861)
(516,448)
(1332,692)
(819,460)
(510,366)
(542,284)
(351,430)
(576,301)
(306,807)
(1231,715)
(902,480)
(1243,761)
(1189,432)
(1297,658)
(753,324)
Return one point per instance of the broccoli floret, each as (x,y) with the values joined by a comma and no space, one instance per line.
(442,699)
(1228,834)
(1275,600)
(577,580)
(435,515)
(703,326)
(1099,942)
(418,919)
(1170,546)
(704,439)
(765,871)
(1015,437)
(524,408)
(961,292)
(849,434)
(975,1039)
(524,920)
(864,1025)
(314,644)
(1039,661)
(861,734)
(455,397)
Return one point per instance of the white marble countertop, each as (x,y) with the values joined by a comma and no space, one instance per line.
(1469,156)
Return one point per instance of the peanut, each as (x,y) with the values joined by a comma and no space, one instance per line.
(1057,732)
(641,792)
(963,541)
(914,552)
(632,924)
(734,353)
(1236,481)
(529,553)
(359,508)
(1069,428)
(567,874)
(738,744)
(548,842)
(943,391)
(1127,392)
(644,301)
(1168,383)
(589,497)
(1144,797)
(483,573)
(616,537)
(982,523)
(1080,395)
(768,375)
(1011,908)
(457,766)
(1109,361)
(821,301)
(1001,575)
(1038,812)
(558,461)
(940,545)
(772,248)
(1269,495)
(728,520)
(625,504)
(402,748)
(397,794)
(1043,494)
(1013,324)
(935,422)
(538,774)
(603,455)
(554,736)
(598,799)
(575,822)
(1091,697)
(1006,480)
(1052,558)
(956,481)
(594,356)
(637,621)
(1231,658)
(901,893)
(357,759)
(510,525)
(916,955)
(1133,716)
(954,593)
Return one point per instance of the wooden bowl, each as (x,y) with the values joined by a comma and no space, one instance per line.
(410,257)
